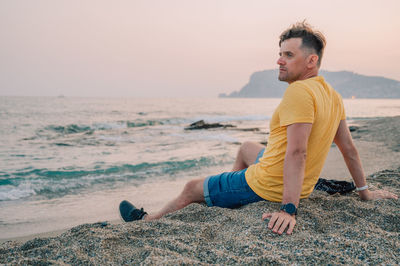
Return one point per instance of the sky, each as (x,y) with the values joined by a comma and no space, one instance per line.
(179,48)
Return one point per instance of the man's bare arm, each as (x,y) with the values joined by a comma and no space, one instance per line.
(346,146)
(293,176)
(295,161)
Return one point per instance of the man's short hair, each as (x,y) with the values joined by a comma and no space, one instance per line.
(311,39)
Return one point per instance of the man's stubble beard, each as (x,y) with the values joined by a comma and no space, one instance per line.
(283,78)
(288,78)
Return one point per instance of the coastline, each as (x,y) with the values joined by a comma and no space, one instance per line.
(330,229)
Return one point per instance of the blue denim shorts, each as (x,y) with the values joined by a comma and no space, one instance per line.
(230,189)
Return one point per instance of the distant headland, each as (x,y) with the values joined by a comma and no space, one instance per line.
(265,84)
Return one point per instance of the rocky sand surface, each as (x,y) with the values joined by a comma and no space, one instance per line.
(331,229)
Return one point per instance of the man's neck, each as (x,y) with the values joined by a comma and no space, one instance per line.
(310,74)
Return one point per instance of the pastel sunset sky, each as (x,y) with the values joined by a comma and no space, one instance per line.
(179,48)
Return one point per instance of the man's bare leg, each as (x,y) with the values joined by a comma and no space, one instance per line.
(192,192)
(247,155)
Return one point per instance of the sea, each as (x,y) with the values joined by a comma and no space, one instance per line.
(67,161)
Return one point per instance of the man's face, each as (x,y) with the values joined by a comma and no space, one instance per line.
(292,60)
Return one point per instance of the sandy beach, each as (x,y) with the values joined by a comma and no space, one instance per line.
(331,229)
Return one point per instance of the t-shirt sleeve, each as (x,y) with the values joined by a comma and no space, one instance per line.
(297,105)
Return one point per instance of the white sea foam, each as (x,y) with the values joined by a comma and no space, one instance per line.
(110,125)
(9,192)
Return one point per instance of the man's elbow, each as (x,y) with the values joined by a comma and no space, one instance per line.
(348,149)
(298,153)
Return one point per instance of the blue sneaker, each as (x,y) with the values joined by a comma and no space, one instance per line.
(129,212)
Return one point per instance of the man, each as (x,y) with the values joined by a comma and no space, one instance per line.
(309,118)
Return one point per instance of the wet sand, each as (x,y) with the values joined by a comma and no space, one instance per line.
(330,229)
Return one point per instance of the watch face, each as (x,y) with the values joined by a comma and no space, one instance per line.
(290,208)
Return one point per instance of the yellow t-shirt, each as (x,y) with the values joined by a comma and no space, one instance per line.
(305,101)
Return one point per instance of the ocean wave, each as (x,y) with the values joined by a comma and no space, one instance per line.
(126,124)
(108,126)
(74,128)
(68,129)
(9,192)
(156,122)
(57,183)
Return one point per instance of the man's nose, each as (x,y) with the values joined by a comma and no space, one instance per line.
(280,61)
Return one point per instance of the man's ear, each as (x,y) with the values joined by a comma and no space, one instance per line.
(312,60)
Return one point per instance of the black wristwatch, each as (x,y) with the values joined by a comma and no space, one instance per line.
(289,208)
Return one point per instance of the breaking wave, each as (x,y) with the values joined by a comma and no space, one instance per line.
(57,183)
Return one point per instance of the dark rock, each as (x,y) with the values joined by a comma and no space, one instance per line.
(104,224)
(203,125)
(353,128)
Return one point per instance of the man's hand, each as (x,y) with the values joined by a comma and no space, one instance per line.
(279,221)
(377,194)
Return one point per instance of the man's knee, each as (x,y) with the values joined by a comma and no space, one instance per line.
(246,146)
(248,151)
(193,191)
